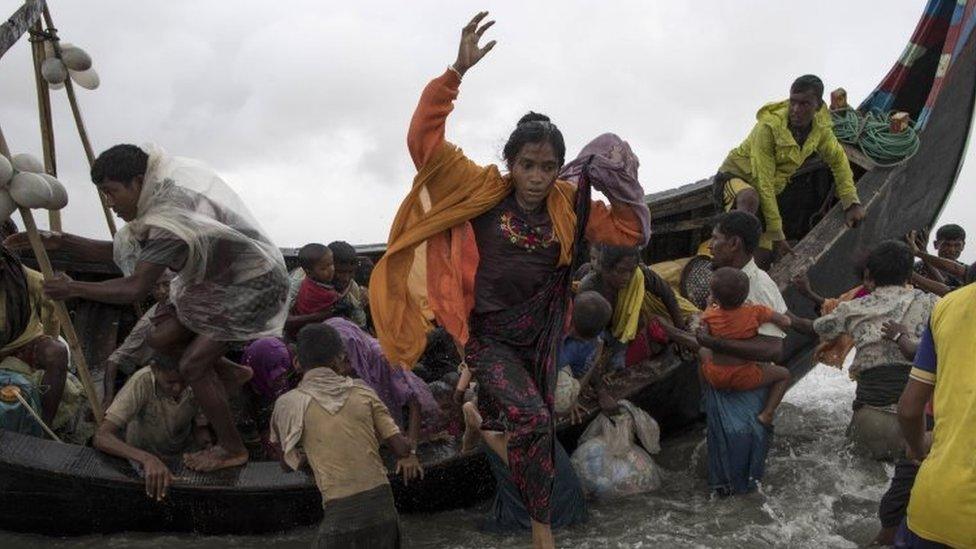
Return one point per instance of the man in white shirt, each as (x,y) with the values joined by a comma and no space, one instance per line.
(734,239)
(737,440)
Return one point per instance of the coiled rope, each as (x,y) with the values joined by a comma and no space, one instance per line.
(872,134)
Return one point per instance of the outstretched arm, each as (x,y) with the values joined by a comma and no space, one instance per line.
(833,154)
(437,100)
(916,244)
(760,348)
(127,289)
(158,476)
(929,285)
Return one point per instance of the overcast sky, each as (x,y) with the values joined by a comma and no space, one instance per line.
(304,111)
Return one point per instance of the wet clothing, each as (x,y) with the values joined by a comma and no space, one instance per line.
(367,520)
(882,386)
(153,421)
(512,240)
(942,505)
(339,423)
(770,155)
(508,513)
(512,356)
(162,247)
(231,283)
(737,442)
(457,237)
(864,317)
(833,351)
(894,502)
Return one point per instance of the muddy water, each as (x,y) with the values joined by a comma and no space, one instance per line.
(816,494)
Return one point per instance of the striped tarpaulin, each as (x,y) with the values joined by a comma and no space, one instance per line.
(944,28)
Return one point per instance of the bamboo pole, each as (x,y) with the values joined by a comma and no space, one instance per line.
(79,121)
(44,113)
(60,311)
(35,415)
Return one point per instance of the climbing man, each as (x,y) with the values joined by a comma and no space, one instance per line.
(785,135)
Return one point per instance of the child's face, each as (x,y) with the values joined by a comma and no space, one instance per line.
(344,273)
(169,382)
(161,291)
(618,276)
(324,269)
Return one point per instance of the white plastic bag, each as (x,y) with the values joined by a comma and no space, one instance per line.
(608,461)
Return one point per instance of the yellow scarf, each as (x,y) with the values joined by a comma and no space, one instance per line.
(627,311)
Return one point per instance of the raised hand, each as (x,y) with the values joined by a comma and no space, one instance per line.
(469,53)
(916,242)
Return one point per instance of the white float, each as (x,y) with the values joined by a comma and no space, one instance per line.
(26,162)
(59,195)
(30,190)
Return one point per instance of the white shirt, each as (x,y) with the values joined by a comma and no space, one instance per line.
(763,291)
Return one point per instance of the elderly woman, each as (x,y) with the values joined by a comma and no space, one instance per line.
(489,257)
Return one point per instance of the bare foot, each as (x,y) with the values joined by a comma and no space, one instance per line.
(765,418)
(213,459)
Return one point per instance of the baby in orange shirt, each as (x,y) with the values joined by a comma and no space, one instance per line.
(729,317)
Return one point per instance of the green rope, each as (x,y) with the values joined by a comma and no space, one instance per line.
(872,134)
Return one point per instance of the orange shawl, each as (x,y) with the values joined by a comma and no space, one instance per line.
(431,258)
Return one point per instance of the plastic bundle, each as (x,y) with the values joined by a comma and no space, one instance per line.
(608,461)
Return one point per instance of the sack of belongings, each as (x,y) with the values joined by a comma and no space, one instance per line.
(609,461)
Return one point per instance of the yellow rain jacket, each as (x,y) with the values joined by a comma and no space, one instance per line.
(770,156)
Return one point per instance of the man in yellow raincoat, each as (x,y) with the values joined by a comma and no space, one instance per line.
(785,135)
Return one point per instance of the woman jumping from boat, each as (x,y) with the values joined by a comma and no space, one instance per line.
(488,256)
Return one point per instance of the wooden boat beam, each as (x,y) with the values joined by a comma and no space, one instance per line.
(18,23)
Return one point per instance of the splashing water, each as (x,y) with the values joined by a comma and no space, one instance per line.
(815,494)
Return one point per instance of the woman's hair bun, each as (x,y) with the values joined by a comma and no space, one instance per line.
(533,117)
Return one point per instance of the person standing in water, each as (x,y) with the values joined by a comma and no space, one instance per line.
(494,255)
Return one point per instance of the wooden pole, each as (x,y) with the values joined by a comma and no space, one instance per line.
(79,121)
(34,414)
(44,113)
(60,311)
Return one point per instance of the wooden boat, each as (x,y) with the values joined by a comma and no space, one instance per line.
(57,488)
